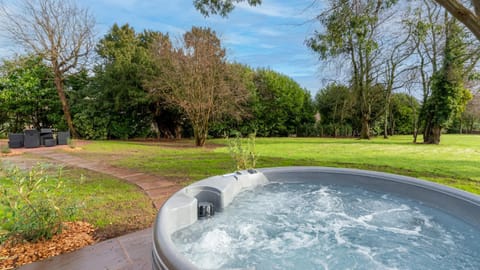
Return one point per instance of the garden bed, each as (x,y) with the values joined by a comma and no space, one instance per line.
(74,236)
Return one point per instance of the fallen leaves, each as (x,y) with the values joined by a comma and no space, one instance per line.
(75,235)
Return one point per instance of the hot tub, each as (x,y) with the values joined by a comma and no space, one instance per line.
(404,202)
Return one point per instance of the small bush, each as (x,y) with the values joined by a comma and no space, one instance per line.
(31,207)
(71,143)
(4,149)
(243,151)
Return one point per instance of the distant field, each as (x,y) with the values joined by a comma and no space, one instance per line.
(455,162)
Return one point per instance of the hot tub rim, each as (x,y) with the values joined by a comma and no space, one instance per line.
(165,255)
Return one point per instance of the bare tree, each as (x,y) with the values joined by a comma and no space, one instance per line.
(396,74)
(195,77)
(353,30)
(57,30)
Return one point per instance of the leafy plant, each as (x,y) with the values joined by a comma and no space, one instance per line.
(243,152)
(4,149)
(31,208)
(26,96)
(71,143)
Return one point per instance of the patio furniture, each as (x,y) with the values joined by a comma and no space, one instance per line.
(15,140)
(49,142)
(31,138)
(45,134)
(63,137)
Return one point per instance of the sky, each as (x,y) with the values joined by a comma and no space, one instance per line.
(270,36)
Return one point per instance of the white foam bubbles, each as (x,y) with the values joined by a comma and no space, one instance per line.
(300,226)
(212,250)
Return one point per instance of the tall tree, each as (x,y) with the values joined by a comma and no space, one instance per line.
(195,77)
(471,115)
(351,31)
(335,103)
(26,87)
(58,30)
(397,74)
(427,41)
(280,106)
(430,37)
(402,116)
(125,59)
(449,96)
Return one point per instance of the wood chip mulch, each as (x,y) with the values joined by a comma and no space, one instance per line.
(75,235)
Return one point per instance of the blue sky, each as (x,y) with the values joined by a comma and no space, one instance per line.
(271,35)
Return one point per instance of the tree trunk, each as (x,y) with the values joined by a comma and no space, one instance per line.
(178,132)
(432,135)
(200,139)
(63,99)
(385,124)
(415,129)
(200,133)
(427,131)
(427,135)
(392,128)
(365,132)
(415,124)
(437,131)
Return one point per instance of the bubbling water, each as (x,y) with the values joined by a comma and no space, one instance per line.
(310,226)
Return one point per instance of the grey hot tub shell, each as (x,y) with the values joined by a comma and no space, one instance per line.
(180,210)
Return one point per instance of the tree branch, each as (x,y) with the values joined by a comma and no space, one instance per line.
(463,14)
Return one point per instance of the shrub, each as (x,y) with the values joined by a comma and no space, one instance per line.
(4,149)
(31,207)
(71,143)
(243,151)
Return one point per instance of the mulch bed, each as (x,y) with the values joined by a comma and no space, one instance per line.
(75,235)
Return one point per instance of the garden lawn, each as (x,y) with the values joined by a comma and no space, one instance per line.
(455,162)
(113,206)
(178,161)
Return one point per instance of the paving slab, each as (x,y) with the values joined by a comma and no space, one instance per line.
(132,251)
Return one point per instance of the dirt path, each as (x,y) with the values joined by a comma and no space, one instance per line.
(156,187)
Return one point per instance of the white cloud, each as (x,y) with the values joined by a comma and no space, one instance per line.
(267,46)
(238,39)
(124,4)
(285,9)
(163,27)
(271,10)
(270,32)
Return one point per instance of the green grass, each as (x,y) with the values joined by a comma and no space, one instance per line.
(106,201)
(454,162)
(111,205)
(172,161)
